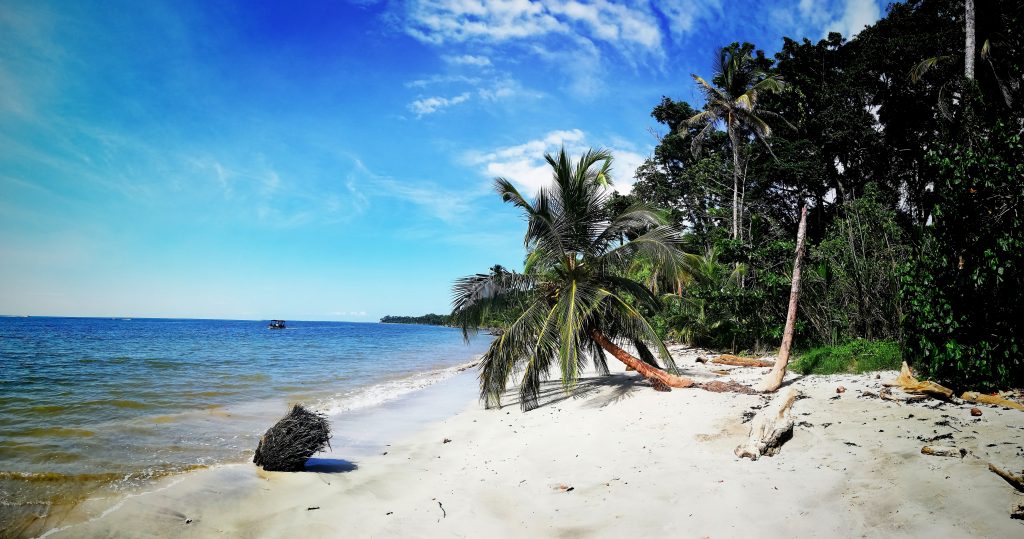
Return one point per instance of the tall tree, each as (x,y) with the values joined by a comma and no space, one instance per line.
(732,99)
(574,299)
(969,43)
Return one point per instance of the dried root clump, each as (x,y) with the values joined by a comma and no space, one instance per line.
(291,441)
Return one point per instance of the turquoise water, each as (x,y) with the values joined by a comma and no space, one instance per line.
(96,406)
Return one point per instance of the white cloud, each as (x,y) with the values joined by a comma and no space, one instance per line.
(430,105)
(446,205)
(819,17)
(524,165)
(629,27)
(856,15)
(468,60)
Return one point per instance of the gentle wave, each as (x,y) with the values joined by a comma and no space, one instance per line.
(390,390)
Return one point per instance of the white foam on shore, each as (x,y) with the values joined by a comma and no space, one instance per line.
(382,392)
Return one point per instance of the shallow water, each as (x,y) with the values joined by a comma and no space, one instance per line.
(99,406)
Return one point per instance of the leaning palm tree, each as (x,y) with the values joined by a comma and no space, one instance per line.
(574,300)
(733,101)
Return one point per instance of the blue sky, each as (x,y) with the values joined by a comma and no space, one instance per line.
(320,161)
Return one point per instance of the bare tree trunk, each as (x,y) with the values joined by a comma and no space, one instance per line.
(645,370)
(969,43)
(735,182)
(773,380)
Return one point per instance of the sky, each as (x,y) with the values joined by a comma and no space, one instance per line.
(322,160)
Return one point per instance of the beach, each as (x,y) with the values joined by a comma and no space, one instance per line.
(614,459)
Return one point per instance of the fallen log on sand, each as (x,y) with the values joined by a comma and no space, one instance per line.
(941,451)
(908,383)
(770,428)
(974,396)
(1016,480)
(738,361)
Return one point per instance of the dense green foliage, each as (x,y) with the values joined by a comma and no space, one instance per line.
(853,357)
(883,138)
(427,319)
(912,176)
(964,295)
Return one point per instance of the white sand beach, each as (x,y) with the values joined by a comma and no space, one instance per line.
(618,459)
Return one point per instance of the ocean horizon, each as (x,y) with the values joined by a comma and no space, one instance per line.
(98,407)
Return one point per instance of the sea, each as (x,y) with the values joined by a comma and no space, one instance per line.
(98,407)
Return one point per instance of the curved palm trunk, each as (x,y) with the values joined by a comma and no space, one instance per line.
(645,370)
(773,380)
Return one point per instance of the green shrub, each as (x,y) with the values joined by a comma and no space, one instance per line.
(964,318)
(853,357)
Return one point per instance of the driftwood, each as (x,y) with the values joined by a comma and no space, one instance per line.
(730,386)
(770,428)
(291,441)
(738,361)
(908,383)
(942,451)
(886,394)
(773,380)
(1017,510)
(974,396)
(1011,478)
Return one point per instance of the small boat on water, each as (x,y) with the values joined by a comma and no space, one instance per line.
(276,324)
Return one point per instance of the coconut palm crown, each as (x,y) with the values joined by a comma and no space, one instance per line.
(732,99)
(574,299)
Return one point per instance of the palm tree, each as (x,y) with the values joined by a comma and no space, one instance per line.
(733,101)
(573,300)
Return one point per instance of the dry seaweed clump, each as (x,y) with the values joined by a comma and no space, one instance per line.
(291,441)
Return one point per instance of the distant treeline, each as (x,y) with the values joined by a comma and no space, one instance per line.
(427,319)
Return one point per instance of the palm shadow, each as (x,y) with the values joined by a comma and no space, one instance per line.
(599,391)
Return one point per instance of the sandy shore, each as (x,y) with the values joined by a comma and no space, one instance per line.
(618,459)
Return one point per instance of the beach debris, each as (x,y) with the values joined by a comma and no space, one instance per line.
(947,436)
(976,411)
(564,488)
(188,521)
(840,389)
(287,445)
(908,383)
(446,441)
(313,508)
(770,428)
(942,451)
(1016,480)
(1017,510)
(731,386)
(739,361)
(444,514)
(981,398)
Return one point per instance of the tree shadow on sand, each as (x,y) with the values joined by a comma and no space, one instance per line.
(599,391)
(325,465)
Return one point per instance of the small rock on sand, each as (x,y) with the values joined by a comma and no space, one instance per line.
(840,389)
(975,412)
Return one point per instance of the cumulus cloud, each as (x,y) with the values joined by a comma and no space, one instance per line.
(524,165)
(430,105)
